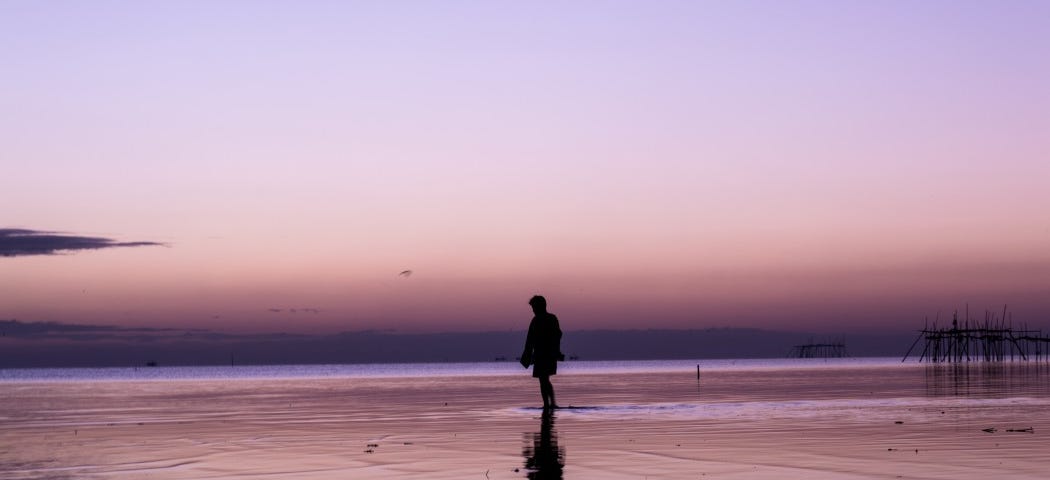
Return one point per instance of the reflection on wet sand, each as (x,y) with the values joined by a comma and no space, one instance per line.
(544,459)
(988,379)
(811,423)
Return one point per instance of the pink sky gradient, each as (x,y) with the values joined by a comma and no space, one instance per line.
(800,165)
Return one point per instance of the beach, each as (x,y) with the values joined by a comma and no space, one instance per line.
(815,420)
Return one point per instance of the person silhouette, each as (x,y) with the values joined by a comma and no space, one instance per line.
(543,349)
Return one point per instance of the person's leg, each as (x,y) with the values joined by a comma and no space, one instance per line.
(547,391)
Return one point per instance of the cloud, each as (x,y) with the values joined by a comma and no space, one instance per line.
(295,310)
(30,332)
(52,330)
(17,242)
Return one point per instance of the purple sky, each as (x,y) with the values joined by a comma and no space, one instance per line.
(786,165)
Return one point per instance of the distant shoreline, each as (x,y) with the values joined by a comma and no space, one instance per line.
(56,347)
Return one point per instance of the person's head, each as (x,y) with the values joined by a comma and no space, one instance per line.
(538,303)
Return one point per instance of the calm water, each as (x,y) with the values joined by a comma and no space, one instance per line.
(426,369)
(977,379)
(867,418)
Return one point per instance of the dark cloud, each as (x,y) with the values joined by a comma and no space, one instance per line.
(16,242)
(18,330)
(67,331)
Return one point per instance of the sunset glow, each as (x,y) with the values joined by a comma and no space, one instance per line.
(804,165)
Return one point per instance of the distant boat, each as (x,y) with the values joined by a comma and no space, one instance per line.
(574,357)
(151,363)
(501,359)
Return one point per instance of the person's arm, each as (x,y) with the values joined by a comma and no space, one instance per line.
(557,335)
(526,354)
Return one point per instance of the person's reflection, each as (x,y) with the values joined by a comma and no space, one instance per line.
(544,459)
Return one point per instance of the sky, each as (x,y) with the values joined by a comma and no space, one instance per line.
(818,166)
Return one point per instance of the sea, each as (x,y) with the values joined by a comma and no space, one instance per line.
(382,370)
(841,418)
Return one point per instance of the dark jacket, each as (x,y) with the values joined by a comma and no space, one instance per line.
(543,344)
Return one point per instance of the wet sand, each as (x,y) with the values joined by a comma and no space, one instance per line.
(842,423)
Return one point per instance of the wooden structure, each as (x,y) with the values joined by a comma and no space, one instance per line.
(993,339)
